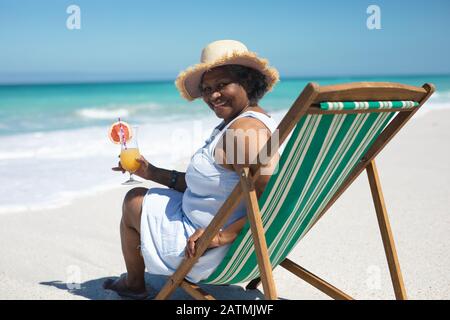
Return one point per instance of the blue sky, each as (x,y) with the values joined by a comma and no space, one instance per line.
(135,40)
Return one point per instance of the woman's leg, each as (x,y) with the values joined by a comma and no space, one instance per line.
(130,235)
(130,239)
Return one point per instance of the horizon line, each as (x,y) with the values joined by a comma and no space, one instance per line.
(167,80)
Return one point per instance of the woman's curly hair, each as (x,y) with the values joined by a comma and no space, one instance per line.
(253,81)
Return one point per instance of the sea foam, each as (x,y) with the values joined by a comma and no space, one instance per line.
(114,111)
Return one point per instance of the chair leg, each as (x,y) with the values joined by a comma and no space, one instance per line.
(386,232)
(314,280)
(259,238)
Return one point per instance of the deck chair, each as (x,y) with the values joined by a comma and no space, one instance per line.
(335,133)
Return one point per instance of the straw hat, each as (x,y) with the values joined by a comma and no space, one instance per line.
(219,53)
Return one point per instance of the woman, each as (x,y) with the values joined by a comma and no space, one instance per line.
(160,226)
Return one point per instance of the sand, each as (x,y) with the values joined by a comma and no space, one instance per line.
(66,253)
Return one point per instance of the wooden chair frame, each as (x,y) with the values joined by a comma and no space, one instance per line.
(308,103)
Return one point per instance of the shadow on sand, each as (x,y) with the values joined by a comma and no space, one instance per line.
(93,289)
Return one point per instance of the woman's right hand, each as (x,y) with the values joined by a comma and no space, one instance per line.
(145,169)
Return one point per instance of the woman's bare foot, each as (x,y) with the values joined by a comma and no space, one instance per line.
(121,287)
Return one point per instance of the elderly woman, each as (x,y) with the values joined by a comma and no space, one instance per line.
(160,226)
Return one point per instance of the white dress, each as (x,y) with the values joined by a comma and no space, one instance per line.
(170,217)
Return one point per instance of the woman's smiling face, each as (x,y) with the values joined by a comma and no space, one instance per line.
(223,94)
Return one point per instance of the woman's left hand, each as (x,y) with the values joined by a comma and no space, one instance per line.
(190,246)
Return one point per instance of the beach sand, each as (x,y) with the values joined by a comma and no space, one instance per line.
(67,253)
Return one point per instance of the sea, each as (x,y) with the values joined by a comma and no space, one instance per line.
(54,144)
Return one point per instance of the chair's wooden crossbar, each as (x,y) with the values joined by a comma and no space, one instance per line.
(314,280)
(370,91)
(312,94)
(386,232)
(195,291)
(259,238)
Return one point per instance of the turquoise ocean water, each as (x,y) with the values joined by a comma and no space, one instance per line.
(54,137)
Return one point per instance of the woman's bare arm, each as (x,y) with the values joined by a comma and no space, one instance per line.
(249,135)
(229,234)
(222,238)
(164,176)
(246,149)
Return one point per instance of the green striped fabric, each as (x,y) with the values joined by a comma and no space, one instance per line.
(357,105)
(322,151)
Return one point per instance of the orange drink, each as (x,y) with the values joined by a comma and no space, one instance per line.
(127,159)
